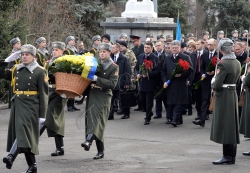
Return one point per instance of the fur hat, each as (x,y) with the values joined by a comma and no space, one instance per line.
(69,38)
(14,41)
(96,37)
(149,35)
(105,46)
(39,40)
(28,48)
(59,45)
(226,45)
(107,36)
(122,35)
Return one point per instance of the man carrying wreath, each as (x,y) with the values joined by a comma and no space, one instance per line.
(176,87)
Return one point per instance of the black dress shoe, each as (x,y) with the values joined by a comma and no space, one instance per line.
(58,152)
(120,112)
(31,169)
(125,117)
(207,117)
(197,118)
(179,123)
(224,160)
(99,155)
(174,124)
(70,109)
(246,153)
(168,122)
(86,145)
(199,122)
(157,116)
(75,109)
(138,109)
(8,160)
(190,112)
(111,117)
(146,122)
(183,112)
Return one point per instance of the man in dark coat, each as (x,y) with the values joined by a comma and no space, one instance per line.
(177,90)
(225,124)
(137,49)
(147,82)
(206,84)
(160,52)
(196,57)
(123,82)
(29,105)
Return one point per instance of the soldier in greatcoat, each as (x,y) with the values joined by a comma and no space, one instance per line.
(28,106)
(42,54)
(225,122)
(245,113)
(99,100)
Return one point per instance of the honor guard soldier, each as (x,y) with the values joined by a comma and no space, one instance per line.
(123,37)
(234,35)
(244,33)
(42,54)
(29,105)
(100,96)
(106,38)
(225,122)
(160,38)
(96,41)
(220,35)
(149,37)
(205,35)
(71,50)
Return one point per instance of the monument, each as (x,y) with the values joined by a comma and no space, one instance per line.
(139,18)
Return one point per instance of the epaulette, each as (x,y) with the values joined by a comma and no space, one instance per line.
(41,67)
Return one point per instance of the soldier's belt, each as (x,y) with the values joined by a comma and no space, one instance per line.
(52,86)
(229,86)
(26,92)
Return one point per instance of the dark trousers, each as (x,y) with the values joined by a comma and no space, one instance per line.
(70,102)
(204,109)
(197,95)
(174,111)
(114,104)
(229,150)
(147,101)
(158,105)
(189,105)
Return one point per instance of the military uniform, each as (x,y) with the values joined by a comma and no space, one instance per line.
(131,56)
(245,116)
(42,56)
(29,105)
(225,123)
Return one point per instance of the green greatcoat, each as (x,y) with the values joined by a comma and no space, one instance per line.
(245,114)
(26,109)
(99,100)
(55,119)
(225,123)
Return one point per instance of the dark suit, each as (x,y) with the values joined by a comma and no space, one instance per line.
(195,77)
(124,79)
(205,85)
(159,100)
(177,91)
(147,86)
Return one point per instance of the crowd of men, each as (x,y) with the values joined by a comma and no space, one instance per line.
(164,54)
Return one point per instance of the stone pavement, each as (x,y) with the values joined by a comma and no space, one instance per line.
(131,147)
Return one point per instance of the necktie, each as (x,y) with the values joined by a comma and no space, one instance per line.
(174,56)
(211,54)
(159,53)
(115,59)
(198,62)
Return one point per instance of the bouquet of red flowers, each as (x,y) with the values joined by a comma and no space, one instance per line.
(211,67)
(181,66)
(146,67)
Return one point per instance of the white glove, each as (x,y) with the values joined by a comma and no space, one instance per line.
(63,96)
(242,77)
(213,79)
(148,39)
(41,120)
(13,56)
(78,98)
(95,78)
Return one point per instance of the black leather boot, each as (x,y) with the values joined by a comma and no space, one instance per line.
(8,160)
(59,146)
(86,145)
(100,149)
(31,161)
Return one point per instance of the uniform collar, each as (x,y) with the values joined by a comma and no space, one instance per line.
(30,67)
(42,51)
